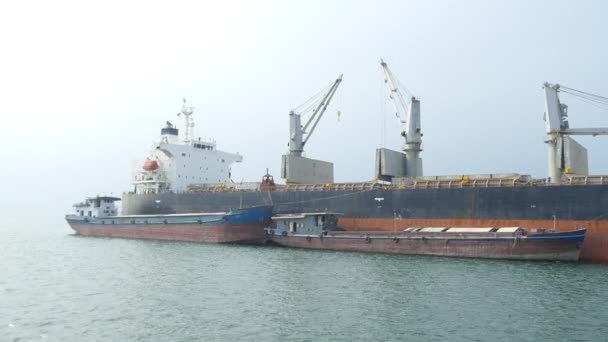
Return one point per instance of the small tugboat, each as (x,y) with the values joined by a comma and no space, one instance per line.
(318,231)
(97,216)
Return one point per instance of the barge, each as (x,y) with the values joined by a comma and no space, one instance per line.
(319,231)
(96,217)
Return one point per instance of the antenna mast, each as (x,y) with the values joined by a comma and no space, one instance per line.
(187,112)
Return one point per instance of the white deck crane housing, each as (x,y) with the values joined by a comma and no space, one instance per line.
(566,156)
(295,168)
(390,164)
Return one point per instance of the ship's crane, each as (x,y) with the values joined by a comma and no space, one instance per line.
(298,134)
(565,155)
(295,168)
(408,114)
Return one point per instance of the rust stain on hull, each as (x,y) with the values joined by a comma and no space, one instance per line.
(595,246)
(182,232)
(452,247)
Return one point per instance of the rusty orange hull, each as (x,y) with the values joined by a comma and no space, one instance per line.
(244,233)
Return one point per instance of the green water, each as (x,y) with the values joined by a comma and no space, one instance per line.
(58,287)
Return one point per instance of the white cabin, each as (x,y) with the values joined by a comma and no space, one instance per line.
(172,165)
(99,206)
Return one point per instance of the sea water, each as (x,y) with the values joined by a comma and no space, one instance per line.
(58,287)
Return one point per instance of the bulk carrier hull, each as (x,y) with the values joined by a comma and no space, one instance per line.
(565,207)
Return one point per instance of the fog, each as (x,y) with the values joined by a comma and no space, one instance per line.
(86,87)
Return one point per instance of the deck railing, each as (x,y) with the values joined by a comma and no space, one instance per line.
(456,183)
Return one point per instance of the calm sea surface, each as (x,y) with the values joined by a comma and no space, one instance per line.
(58,287)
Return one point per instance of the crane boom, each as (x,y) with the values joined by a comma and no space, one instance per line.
(321,108)
(394,92)
(295,168)
(410,124)
(586,131)
(299,135)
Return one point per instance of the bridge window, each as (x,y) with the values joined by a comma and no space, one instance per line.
(203,146)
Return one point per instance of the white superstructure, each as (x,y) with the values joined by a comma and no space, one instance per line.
(98,206)
(173,165)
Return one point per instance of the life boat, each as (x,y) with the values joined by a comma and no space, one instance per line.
(150,165)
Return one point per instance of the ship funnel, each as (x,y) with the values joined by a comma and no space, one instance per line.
(169,134)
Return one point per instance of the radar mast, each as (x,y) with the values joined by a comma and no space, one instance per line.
(187,112)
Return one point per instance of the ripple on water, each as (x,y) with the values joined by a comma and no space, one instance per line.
(68,288)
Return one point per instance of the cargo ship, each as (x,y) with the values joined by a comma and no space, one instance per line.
(369,206)
(319,231)
(96,216)
(191,175)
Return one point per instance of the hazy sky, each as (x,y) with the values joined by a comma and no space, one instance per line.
(85,87)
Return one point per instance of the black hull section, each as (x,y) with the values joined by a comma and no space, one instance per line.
(565,202)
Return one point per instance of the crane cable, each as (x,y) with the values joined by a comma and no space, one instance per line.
(312,102)
(404,88)
(602,98)
(592,99)
(594,104)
